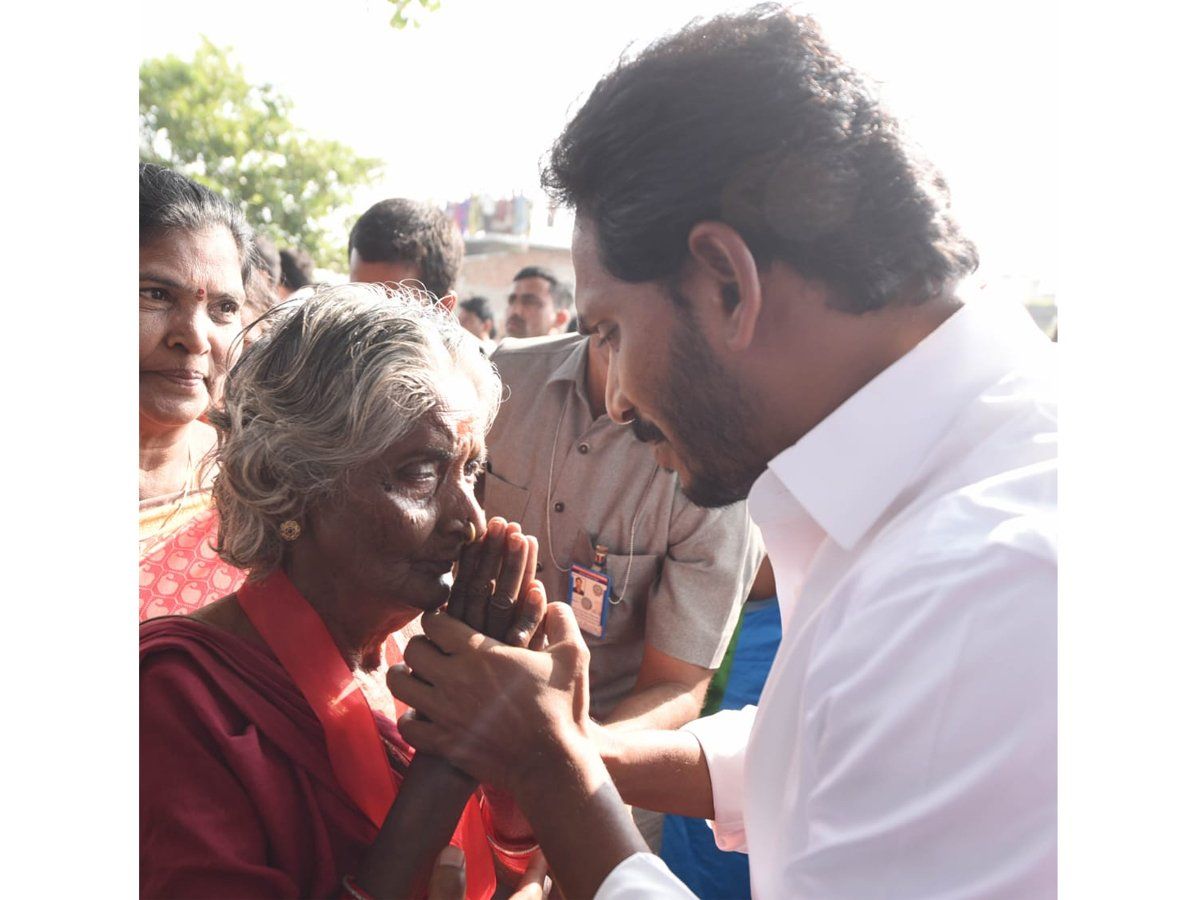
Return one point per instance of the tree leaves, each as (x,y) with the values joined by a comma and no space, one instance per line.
(203,118)
(403,17)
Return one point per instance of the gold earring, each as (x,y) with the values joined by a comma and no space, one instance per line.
(471,532)
(289,530)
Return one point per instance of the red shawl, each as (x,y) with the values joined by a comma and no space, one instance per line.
(238,797)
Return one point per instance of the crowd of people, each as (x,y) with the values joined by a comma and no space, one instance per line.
(424,614)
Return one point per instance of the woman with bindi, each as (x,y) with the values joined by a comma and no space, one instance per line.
(194,260)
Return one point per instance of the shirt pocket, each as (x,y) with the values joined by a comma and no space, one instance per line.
(503,498)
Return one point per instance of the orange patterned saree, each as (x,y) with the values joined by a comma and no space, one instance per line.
(180,570)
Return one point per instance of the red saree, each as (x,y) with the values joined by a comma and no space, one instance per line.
(238,795)
(180,571)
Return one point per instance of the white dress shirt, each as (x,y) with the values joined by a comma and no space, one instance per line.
(905,742)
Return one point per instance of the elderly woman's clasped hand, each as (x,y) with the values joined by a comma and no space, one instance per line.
(493,710)
(496,591)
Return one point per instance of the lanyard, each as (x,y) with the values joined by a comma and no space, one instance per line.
(550,490)
(303,645)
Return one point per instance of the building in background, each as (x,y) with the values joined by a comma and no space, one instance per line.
(502,237)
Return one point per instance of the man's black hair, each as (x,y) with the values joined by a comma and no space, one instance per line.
(267,259)
(295,268)
(750,119)
(404,231)
(482,309)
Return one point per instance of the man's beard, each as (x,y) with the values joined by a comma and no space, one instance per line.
(709,417)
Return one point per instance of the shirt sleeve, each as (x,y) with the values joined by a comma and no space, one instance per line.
(200,834)
(723,738)
(639,876)
(711,560)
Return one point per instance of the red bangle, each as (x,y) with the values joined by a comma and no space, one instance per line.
(517,853)
(511,860)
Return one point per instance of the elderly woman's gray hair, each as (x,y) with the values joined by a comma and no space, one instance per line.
(337,379)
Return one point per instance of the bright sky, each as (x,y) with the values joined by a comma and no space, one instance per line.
(472,100)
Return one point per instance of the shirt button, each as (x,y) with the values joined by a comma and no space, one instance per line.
(584,448)
(559,506)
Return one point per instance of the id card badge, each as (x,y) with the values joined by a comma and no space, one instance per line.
(589,599)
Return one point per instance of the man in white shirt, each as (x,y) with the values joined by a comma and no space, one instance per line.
(776,277)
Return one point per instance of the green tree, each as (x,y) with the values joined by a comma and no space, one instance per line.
(205,119)
(404,16)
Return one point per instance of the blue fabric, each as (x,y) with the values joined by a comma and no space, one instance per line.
(688,847)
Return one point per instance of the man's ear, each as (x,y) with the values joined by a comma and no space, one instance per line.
(561,318)
(722,256)
(449,301)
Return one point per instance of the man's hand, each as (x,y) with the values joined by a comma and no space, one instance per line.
(496,712)
(518,719)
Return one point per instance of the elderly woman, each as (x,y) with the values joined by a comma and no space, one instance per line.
(195,253)
(349,443)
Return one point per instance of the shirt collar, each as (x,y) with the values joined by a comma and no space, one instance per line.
(574,368)
(848,469)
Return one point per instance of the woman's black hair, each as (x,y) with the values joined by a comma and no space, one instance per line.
(168,201)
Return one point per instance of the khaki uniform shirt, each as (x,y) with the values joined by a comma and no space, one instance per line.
(678,574)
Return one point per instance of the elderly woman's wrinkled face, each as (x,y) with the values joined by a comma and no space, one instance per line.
(190,290)
(391,537)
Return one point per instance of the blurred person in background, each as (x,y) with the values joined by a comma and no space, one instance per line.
(296,271)
(475,315)
(269,262)
(262,293)
(195,255)
(349,443)
(539,304)
(399,240)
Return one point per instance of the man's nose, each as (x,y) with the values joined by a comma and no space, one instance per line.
(620,410)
